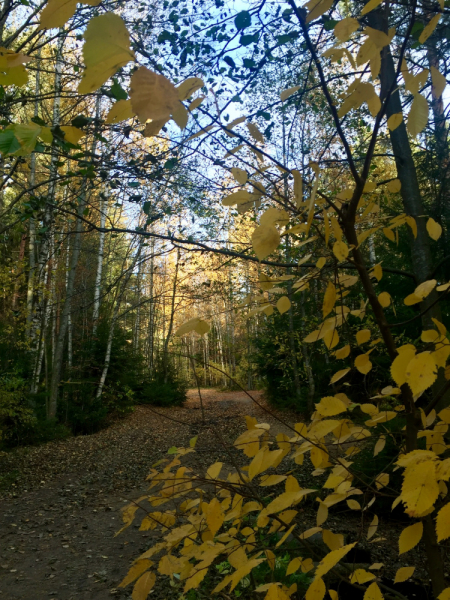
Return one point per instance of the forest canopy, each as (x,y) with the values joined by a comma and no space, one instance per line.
(251,194)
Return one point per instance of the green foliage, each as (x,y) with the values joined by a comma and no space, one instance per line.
(16,415)
(163,388)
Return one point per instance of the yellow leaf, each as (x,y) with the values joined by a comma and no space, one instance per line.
(384,299)
(389,234)
(445,594)
(353,504)
(194,324)
(322,514)
(298,187)
(317,8)
(307,565)
(275,593)
(434,229)
(403,574)
(330,406)
(214,516)
(331,560)
(339,375)
(284,501)
(180,115)
(169,564)
(152,95)
(240,175)
(128,514)
(363,336)
(344,29)
(214,470)
(106,49)
(321,262)
(331,339)
(429,28)
(314,336)
(340,250)
(418,115)
(394,121)
(189,87)
(372,527)
(273,215)
(270,559)
(333,594)
(363,364)
(239,197)
(334,541)
(195,104)
(425,288)
(143,586)
(410,537)
(154,127)
(412,299)
(286,93)
(120,111)
(265,240)
(421,372)
(27,135)
(283,304)
(420,489)
(379,446)
(255,132)
(265,282)
(316,590)
(371,5)
(443,523)
(439,82)
(56,13)
(72,134)
(394,187)
(398,368)
(137,569)
(373,592)
(261,462)
(329,299)
(195,580)
(272,480)
(294,565)
(342,352)
(361,576)
(236,577)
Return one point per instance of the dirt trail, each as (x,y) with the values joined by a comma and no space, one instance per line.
(61,501)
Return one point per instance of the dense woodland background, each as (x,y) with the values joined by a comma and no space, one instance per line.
(111,240)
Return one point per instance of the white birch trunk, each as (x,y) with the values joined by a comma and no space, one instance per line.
(98,278)
(112,326)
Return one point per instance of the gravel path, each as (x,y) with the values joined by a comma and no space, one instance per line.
(61,501)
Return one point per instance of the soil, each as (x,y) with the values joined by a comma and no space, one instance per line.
(60,502)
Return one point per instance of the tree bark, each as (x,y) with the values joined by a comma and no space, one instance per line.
(98,277)
(406,169)
(171,319)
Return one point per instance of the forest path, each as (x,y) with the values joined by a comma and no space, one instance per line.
(61,501)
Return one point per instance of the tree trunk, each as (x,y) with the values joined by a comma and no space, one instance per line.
(59,346)
(172,315)
(98,277)
(114,320)
(410,192)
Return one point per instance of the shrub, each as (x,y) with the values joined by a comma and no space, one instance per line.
(16,415)
(164,388)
